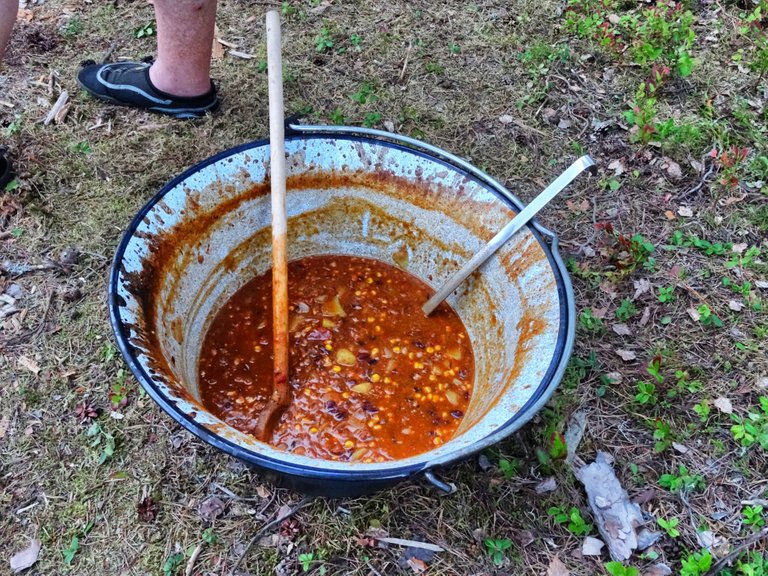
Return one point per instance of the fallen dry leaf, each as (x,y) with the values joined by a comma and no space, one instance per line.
(641,287)
(644,496)
(673,169)
(262,492)
(731,200)
(682,448)
(626,355)
(618,167)
(739,248)
(27,557)
(685,211)
(581,207)
(622,329)
(608,288)
(694,314)
(320,8)
(645,317)
(147,509)
(211,508)
(599,313)
(506,119)
(29,364)
(4,423)
(614,19)
(592,546)
(547,485)
(658,570)
(670,215)
(735,305)
(557,568)
(417,565)
(523,538)
(724,405)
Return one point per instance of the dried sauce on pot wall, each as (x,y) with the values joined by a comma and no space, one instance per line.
(373,379)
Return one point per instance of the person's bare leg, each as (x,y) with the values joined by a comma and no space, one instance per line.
(184,40)
(9,9)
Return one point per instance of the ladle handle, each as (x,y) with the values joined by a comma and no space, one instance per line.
(522,218)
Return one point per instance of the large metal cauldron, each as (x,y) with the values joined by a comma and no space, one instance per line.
(350,191)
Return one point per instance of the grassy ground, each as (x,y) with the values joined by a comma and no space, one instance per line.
(667,252)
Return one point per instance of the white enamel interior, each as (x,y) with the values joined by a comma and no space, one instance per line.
(515,288)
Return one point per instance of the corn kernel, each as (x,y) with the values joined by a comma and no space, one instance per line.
(377,329)
(337,369)
(371,319)
(430,350)
(432,377)
(377,427)
(375,352)
(428,389)
(345,395)
(313,430)
(257,348)
(418,365)
(438,347)
(349,444)
(369,280)
(437,441)
(328,346)
(375,378)
(357,292)
(396,349)
(411,355)
(387,380)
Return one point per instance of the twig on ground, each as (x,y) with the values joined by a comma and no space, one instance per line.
(405,62)
(411,544)
(692,191)
(726,561)
(57,107)
(302,503)
(109,52)
(193,559)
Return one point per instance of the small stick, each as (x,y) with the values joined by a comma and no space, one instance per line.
(192,559)
(726,561)
(60,103)
(303,502)
(281,392)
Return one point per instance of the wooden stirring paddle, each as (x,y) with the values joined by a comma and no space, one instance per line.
(281,391)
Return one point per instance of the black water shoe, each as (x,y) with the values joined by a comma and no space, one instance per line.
(128,84)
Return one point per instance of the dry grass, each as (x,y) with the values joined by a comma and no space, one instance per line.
(446,73)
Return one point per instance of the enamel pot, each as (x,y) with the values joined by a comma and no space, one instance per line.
(350,191)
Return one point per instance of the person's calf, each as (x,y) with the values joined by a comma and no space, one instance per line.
(9,9)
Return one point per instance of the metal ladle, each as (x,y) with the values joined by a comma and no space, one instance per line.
(522,218)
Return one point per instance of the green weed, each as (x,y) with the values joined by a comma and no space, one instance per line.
(682,482)
(576,523)
(618,569)
(754,428)
(670,526)
(696,564)
(496,548)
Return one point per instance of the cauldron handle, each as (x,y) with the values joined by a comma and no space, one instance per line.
(444,487)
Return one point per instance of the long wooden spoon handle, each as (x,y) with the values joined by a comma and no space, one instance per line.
(281,393)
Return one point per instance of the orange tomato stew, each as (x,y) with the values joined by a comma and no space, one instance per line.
(372,378)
